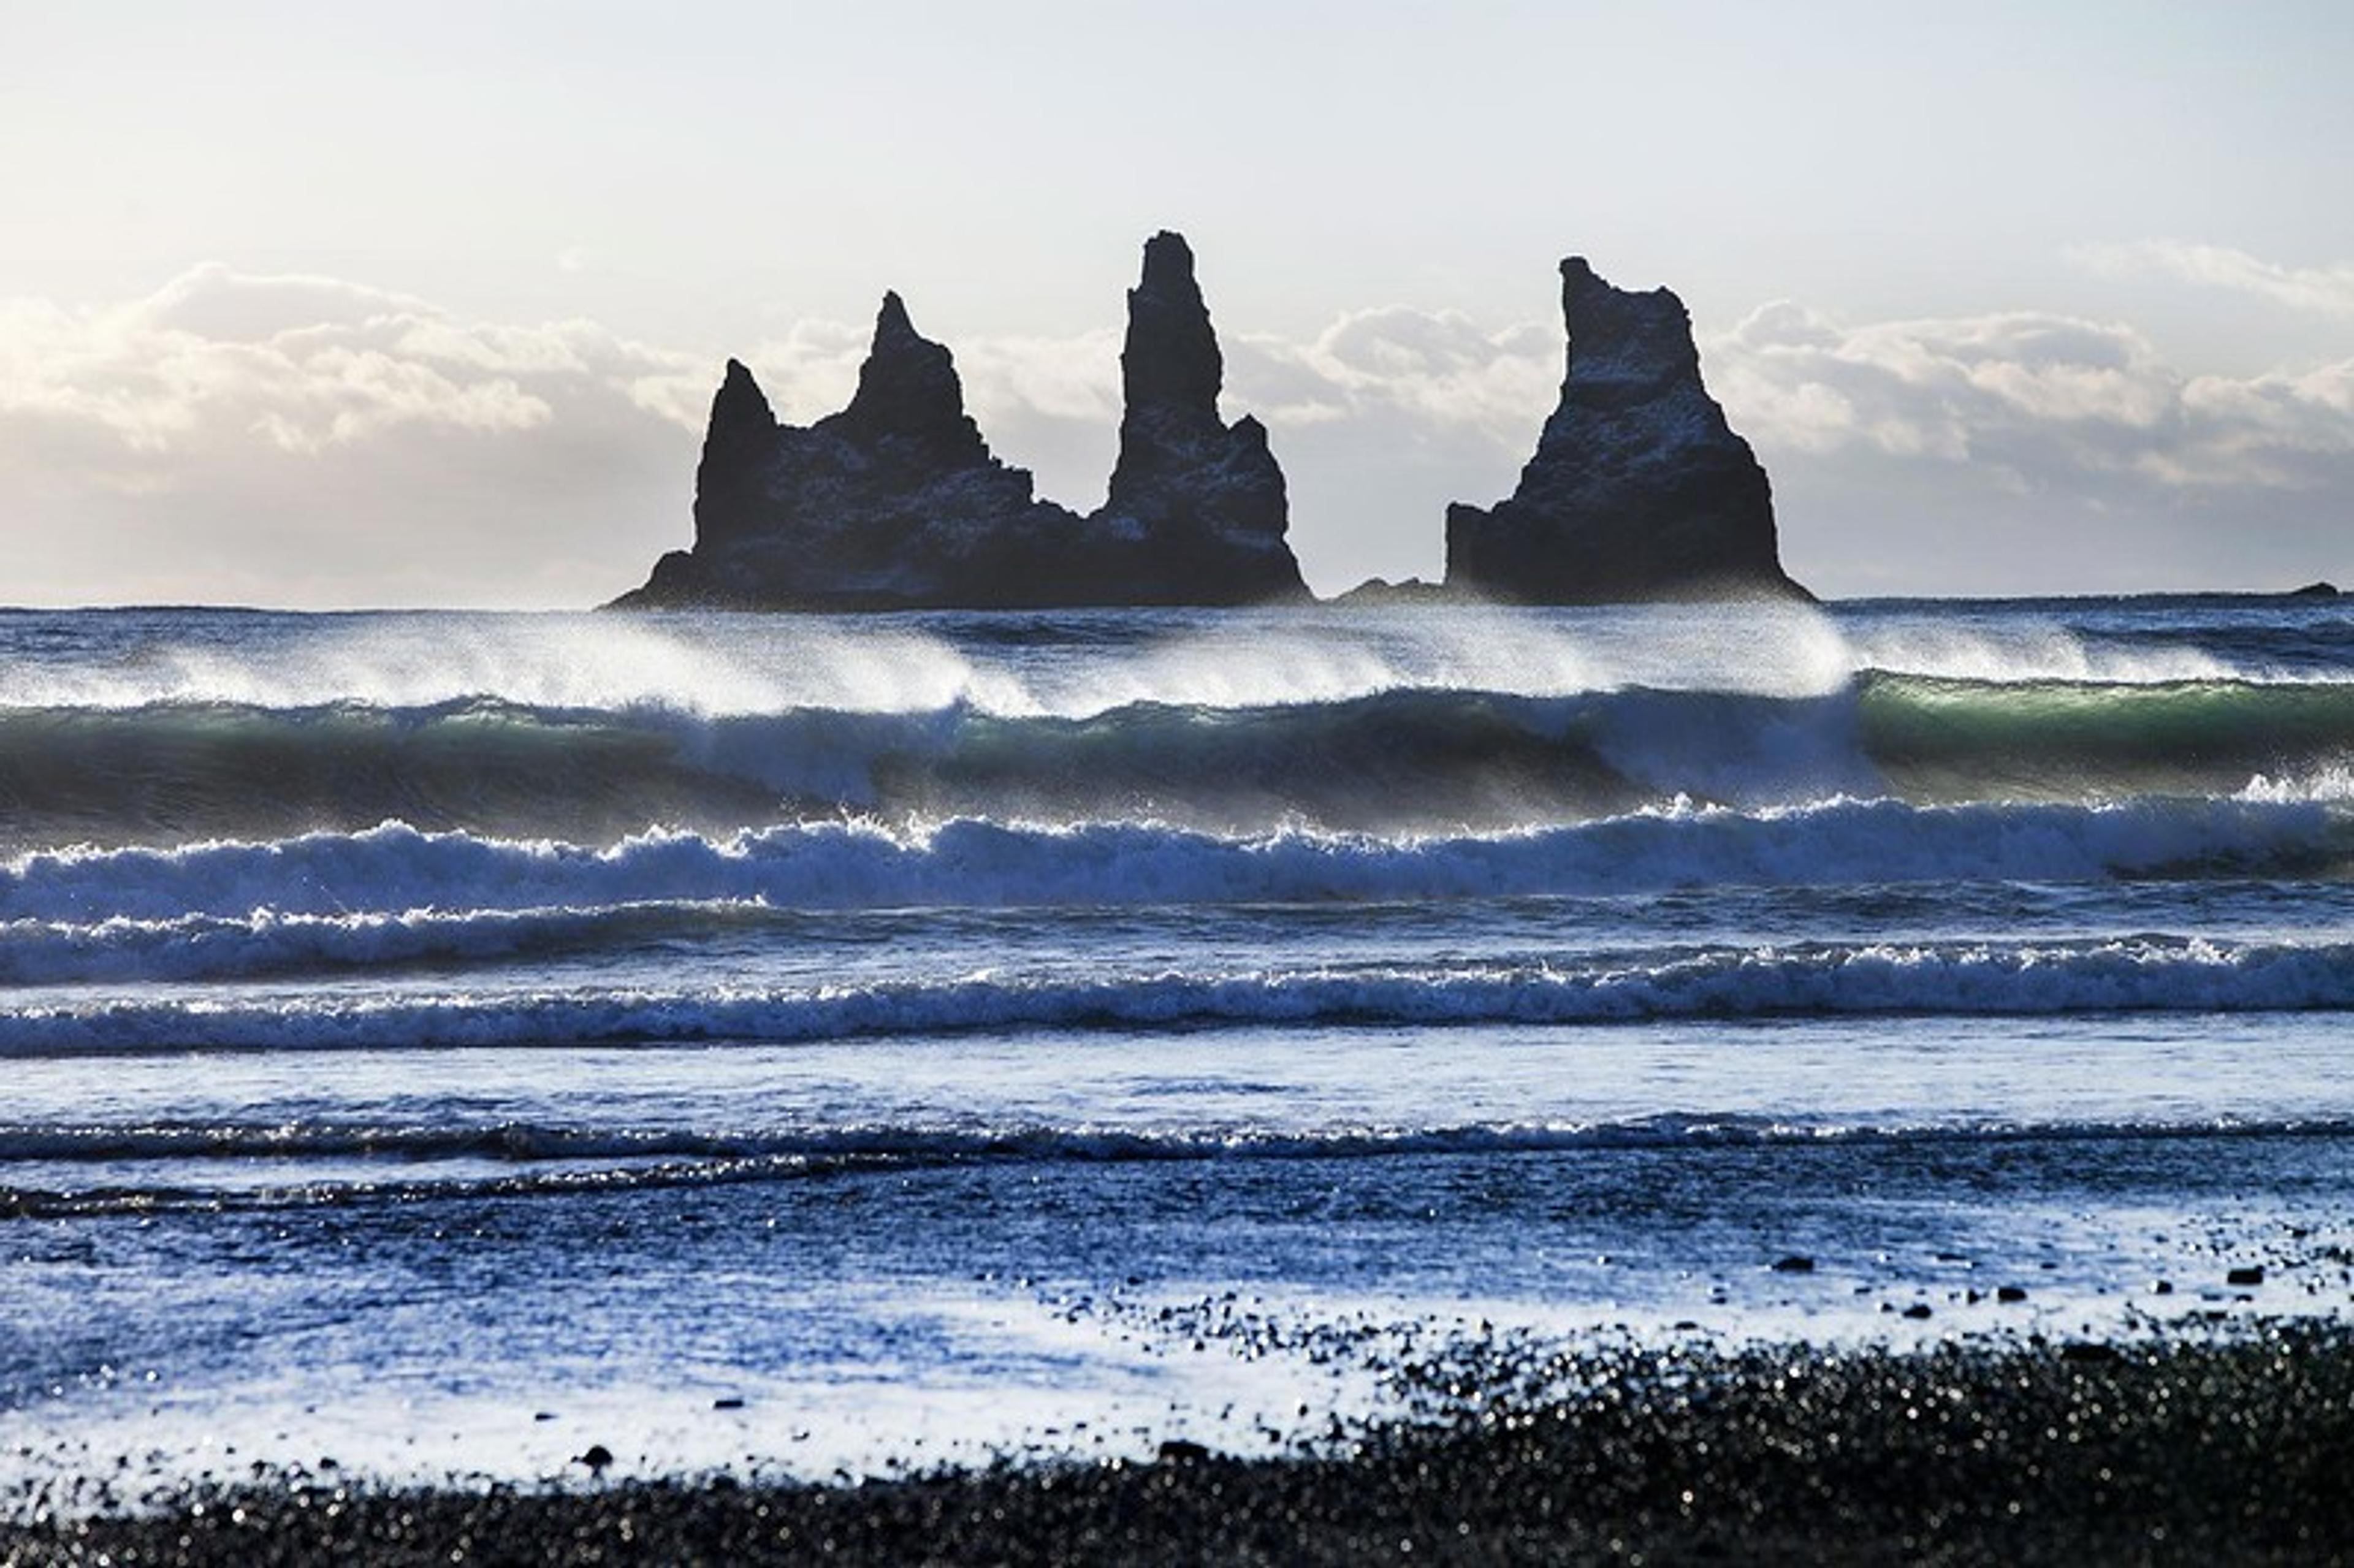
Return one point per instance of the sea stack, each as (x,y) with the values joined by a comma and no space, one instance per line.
(896,503)
(1638,489)
(1204,500)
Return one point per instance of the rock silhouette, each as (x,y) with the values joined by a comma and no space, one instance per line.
(1638,489)
(896,503)
(1202,500)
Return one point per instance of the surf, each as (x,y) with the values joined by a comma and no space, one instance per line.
(1987,978)
(325,887)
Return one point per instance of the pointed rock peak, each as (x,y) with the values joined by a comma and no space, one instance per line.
(891,322)
(1169,266)
(739,411)
(1170,359)
(908,387)
(737,389)
(738,443)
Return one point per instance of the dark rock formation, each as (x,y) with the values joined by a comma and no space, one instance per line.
(1638,489)
(1202,500)
(892,503)
(896,503)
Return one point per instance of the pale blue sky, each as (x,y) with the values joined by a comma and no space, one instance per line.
(2062,297)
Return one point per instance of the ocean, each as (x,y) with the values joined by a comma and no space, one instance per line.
(448,1045)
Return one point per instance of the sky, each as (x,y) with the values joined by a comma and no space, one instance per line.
(343,306)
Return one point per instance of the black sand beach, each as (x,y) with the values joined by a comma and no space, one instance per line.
(2188,1447)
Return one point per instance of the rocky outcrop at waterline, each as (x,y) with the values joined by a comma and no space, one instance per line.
(1199,502)
(1639,490)
(896,502)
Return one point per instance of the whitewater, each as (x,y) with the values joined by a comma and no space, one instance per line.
(444,1042)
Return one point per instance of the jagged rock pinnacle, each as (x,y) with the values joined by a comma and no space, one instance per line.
(1638,489)
(1171,360)
(735,445)
(1205,501)
(908,389)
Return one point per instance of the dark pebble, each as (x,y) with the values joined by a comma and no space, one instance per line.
(1797,1263)
(2009,1293)
(2251,1274)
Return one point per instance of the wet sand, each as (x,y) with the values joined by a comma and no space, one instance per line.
(2231,1446)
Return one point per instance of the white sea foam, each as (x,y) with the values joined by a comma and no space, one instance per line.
(1073,666)
(2333,783)
(397,870)
(1809,980)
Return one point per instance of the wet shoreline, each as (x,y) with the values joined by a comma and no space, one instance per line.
(2225,1445)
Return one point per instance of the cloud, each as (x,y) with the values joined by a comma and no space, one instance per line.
(1385,417)
(231,436)
(1437,370)
(2071,445)
(2324,290)
(2047,401)
(307,363)
(212,303)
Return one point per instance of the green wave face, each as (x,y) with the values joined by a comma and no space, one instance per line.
(1956,740)
(175,773)
(178,773)
(1412,762)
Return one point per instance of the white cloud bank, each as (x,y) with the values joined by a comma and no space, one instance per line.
(2326,291)
(308,440)
(2022,450)
(290,439)
(2037,400)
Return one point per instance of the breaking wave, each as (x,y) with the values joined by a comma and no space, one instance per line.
(1970,740)
(2139,974)
(1419,760)
(393,891)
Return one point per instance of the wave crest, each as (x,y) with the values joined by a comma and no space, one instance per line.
(1411,760)
(341,887)
(2150,974)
